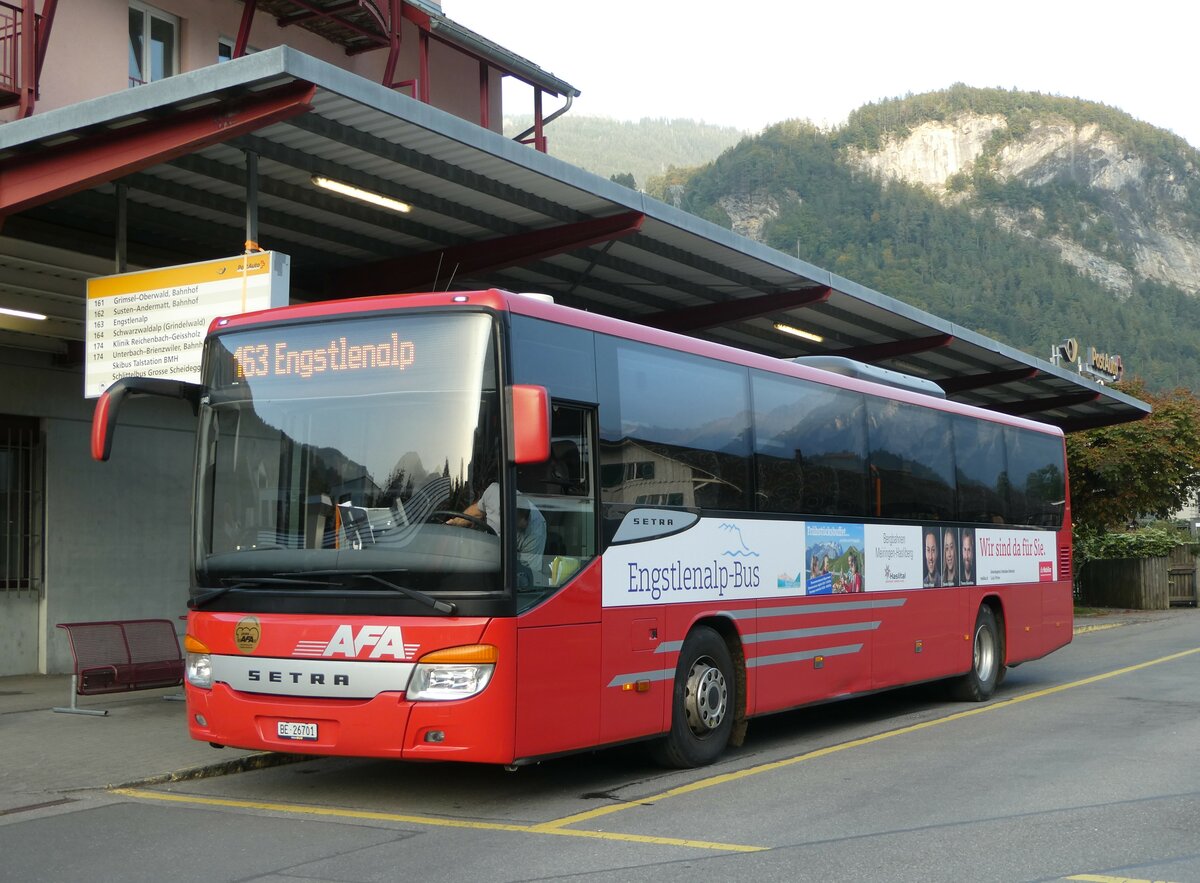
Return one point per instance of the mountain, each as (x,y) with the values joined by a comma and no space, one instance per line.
(1119,199)
(1025,217)
(643,149)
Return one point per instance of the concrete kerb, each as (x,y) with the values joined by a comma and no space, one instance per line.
(1111,618)
(244,764)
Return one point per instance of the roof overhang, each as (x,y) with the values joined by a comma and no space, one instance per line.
(486,211)
(366,25)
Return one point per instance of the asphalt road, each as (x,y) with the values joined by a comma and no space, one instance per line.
(1083,767)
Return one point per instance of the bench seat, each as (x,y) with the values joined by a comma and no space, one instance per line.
(117,656)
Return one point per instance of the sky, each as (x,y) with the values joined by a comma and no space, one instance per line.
(751,63)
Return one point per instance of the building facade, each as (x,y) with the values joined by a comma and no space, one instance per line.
(87,541)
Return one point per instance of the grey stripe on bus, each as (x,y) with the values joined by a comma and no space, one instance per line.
(840,629)
(780,659)
(665,674)
(839,607)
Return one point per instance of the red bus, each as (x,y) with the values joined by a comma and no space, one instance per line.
(484,527)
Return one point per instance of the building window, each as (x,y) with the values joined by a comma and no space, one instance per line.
(20,504)
(153,44)
(225,48)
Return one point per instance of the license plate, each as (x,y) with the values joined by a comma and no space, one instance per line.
(295,730)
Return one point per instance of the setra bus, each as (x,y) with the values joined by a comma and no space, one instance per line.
(481,526)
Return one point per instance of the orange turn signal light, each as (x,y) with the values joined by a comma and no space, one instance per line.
(468,654)
(191,645)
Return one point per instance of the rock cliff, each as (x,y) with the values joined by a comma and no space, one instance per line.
(1136,221)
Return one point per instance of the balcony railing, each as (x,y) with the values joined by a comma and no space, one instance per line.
(10,52)
(24,34)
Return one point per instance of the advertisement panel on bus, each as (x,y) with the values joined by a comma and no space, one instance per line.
(665,556)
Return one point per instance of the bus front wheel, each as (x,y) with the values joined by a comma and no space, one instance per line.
(987,660)
(703,705)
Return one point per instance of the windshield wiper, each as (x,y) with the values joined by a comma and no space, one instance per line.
(445,607)
(252,582)
(290,579)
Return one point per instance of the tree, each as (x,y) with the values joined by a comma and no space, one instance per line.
(625,179)
(1148,467)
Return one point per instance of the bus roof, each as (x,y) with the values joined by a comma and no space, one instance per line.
(539,306)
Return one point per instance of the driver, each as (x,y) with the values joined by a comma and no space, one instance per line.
(531,526)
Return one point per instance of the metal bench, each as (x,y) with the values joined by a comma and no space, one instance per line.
(122,655)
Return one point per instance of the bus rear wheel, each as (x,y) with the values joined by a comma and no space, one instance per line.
(703,705)
(987,660)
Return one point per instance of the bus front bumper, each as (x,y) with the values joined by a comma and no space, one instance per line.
(385,726)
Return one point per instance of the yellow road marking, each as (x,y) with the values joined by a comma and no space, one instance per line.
(843,746)
(1097,878)
(433,821)
(1084,629)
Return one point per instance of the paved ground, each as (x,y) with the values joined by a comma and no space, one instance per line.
(1081,769)
(143,738)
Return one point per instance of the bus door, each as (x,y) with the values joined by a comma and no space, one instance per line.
(558,596)
(638,672)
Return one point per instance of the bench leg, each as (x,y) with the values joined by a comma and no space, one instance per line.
(74,708)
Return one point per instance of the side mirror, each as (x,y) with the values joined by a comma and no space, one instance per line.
(104,418)
(530,432)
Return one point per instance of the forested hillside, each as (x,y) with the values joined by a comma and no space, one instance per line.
(1044,218)
(643,149)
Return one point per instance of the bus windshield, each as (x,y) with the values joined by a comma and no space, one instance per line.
(336,450)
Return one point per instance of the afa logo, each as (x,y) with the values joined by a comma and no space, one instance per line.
(247,633)
(384,641)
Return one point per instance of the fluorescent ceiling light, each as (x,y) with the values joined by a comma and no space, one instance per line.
(799,332)
(361,195)
(22,314)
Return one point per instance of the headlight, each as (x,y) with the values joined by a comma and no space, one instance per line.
(199,670)
(199,663)
(455,673)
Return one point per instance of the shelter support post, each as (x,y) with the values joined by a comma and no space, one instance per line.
(251,201)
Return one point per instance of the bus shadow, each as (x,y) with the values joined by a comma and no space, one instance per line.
(575,783)
(805,729)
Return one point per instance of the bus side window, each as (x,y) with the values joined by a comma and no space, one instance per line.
(560,475)
(564,454)
(561,488)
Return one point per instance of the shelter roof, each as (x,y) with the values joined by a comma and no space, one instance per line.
(486,211)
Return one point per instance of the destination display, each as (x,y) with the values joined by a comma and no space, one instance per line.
(152,323)
(359,356)
(280,359)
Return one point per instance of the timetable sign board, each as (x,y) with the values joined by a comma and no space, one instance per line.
(152,323)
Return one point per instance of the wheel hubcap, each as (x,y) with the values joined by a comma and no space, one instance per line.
(985,654)
(707,697)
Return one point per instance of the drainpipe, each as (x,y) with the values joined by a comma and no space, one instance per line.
(546,121)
